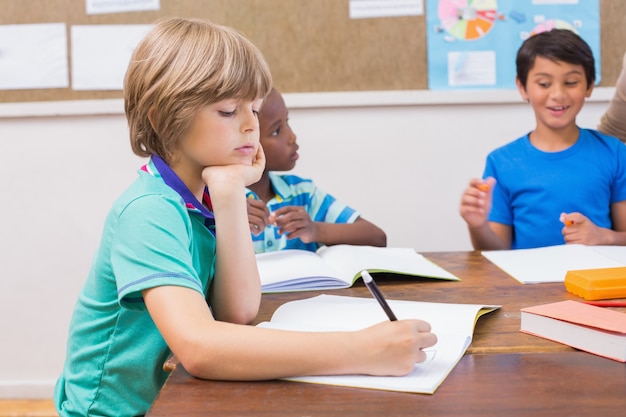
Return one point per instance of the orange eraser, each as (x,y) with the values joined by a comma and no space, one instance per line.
(597,284)
(483,187)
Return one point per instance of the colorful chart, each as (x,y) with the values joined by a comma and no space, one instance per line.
(552,24)
(472,44)
(467,19)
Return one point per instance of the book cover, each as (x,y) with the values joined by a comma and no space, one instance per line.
(593,329)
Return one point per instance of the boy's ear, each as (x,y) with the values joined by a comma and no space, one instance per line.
(521,88)
(589,90)
(151,116)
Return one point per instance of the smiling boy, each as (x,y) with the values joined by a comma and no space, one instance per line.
(559,183)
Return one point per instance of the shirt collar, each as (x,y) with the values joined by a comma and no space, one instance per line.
(157,167)
(281,188)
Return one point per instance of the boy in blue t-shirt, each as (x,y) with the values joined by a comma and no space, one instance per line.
(290,212)
(559,183)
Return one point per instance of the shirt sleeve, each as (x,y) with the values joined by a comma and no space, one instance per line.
(326,208)
(151,248)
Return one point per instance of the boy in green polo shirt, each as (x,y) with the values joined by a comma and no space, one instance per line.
(175,270)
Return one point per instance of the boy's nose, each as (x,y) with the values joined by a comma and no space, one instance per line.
(557,91)
(292,136)
(251,122)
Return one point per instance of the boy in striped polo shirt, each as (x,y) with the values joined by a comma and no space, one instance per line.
(289,212)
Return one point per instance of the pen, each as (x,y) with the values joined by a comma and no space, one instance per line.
(606,303)
(371,285)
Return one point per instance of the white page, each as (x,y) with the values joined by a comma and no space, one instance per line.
(617,253)
(33,56)
(351,259)
(101,53)
(452,323)
(550,263)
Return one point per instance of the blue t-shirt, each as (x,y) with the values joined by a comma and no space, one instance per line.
(292,190)
(534,187)
(157,233)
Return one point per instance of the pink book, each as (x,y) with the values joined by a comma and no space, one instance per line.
(593,329)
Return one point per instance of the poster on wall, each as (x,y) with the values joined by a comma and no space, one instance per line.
(472,44)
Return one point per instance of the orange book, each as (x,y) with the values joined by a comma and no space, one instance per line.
(593,329)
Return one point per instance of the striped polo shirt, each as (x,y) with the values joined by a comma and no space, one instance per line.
(292,190)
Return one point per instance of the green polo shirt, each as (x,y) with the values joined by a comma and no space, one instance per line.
(115,353)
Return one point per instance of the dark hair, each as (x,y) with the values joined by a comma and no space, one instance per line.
(556,45)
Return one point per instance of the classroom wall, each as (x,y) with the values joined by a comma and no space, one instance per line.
(402,160)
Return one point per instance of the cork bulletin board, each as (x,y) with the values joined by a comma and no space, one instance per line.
(310,45)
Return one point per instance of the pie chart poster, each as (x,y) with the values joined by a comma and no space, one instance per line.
(472,44)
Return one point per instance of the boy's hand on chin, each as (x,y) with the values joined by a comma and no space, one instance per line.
(238,176)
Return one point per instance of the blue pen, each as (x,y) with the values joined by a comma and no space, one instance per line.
(371,285)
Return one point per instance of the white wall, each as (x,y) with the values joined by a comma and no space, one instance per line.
(403,159)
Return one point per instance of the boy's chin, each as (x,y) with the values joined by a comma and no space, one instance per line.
(246,162)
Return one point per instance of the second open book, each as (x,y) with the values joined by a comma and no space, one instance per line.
(339,266)
(452,323)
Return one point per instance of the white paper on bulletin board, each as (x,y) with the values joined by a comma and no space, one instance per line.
(33,56)
(101,53)
(120,6)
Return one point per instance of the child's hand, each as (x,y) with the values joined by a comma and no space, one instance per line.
(579,229)
(258,215)
(476,201)
(258,165)
(394,347)
(219,176)
(295,222)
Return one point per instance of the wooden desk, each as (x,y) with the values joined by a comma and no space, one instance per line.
(504,370)
(511,384)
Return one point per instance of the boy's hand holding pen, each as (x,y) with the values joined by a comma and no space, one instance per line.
(371,285)
(566,219)
(422,339)
(476,201)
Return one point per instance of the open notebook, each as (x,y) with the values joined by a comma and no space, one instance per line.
(452,323)
(339,266)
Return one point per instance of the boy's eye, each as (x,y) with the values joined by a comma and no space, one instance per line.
(544,84)
(571,83)
(256,113)
(276,132)
(227,113)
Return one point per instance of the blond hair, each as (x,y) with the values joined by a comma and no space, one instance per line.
(179,67)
